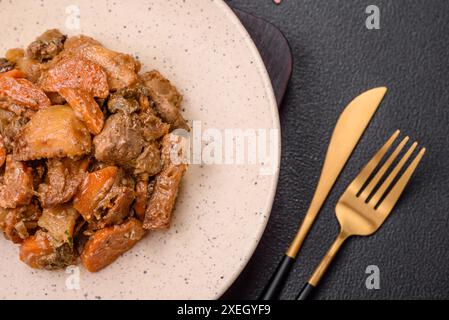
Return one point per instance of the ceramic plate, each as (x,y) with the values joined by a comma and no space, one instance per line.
(227,194)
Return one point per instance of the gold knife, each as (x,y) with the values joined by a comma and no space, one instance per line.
(347,133)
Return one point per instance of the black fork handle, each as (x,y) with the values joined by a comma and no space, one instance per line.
(276,283)
(305,292)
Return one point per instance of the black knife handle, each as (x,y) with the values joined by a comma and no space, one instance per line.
(274,286)
(305,292)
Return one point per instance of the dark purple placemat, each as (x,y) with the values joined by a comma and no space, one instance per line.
(274,50)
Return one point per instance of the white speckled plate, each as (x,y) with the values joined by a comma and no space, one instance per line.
(222,209)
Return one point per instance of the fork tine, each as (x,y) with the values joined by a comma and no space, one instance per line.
(392,198)
(373,183)
(357,184)
(383,188)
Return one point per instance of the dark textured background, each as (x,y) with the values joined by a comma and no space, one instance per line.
(336,58)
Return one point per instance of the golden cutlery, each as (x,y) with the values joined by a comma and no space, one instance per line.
(368,201)
(348,131)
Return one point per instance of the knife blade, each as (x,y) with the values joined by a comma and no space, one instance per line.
(347,132)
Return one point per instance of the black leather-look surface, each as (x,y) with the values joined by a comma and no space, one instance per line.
(336,58)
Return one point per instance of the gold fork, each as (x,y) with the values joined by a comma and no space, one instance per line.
(366,204)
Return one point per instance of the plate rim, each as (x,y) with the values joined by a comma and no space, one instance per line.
(230,14)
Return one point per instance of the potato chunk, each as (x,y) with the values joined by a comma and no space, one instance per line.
(54,132)
(59,221)
(107,244)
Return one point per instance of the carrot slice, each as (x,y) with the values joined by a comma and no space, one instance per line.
(75,72)
(35,248)
(107,244)
(93,190)
(14,74)
(23,92)
(85,107)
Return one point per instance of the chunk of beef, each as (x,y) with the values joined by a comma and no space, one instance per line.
(120,142)
(62,181)
(135,100)
(128,100)
(152,127)
(166,97)
(118,102)
(47,46)
(17,188)
(160,206)
(149,161)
